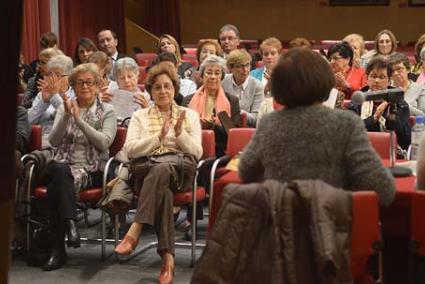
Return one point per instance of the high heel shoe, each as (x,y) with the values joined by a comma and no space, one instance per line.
(166,275)
(127,245)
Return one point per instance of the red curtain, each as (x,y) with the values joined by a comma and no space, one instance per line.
(163,17)
(36,21)
(79,18)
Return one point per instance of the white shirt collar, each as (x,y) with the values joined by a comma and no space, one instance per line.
(114,56)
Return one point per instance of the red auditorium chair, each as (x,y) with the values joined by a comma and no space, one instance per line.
(412,120)
(417,234)
(142,75)
(238,138)
(183,199)
(145,59)
(365,234)
(381,143)
(259,64)
(190,50)
(191,59)
(35,138)
(90,196)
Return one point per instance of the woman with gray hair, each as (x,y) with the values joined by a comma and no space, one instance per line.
(211,100)
(83,130)
(128,97)
(52,88)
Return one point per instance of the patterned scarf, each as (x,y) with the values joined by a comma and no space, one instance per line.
(65,152)
(156,121)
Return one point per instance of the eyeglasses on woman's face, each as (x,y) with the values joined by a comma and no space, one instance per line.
(89,83)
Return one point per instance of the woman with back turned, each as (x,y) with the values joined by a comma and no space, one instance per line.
(309,141)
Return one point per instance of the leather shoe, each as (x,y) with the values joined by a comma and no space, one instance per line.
(189,233)
(166,275)
(57,260)
(127,245)
(73,234)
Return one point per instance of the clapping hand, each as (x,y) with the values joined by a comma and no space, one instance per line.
(207,123)
(165,127)
(380,110)
(140,100)
(178,127)
(104,95)
(49,86)
(71,106)
(340,80)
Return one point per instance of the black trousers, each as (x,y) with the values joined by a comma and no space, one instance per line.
(61,193)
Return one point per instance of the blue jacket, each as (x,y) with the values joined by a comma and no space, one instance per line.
(257,73)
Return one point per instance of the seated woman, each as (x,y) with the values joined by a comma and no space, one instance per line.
(421,70)
(162,128)
(205,48)
(348,78)
(84,129)
(418,67)
(103,62)
(41,70)
(247,89)
(356,42)
(385,44)
(169,44)
(270,50)
(85,47)
(414,93)
(128,97)
(187,87)
(379,115)
(210,100)
(285,147)
(52,89)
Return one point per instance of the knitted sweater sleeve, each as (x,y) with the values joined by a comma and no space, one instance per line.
(365,170)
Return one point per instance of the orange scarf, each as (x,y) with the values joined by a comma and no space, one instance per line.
(199,100)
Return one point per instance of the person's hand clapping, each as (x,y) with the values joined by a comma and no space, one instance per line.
(380,110)
(179,124)
(165,128)
(104,95)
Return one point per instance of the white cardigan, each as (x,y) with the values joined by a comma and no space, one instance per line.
(140,142)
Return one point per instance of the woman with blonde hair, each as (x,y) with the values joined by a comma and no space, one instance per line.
(270,50)
(356,42)
(168,43)
(385,45)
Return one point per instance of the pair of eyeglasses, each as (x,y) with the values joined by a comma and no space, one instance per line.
(246,65)
(88,83)
(229,38)
(158,88)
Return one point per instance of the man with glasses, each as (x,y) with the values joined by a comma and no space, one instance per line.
(229,38)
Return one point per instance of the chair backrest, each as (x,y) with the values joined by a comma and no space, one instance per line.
(208,144)
(145,59)
(142,74)
(118,141)
(381,143)
(364,230)
(244,120)
(417,223)
(35,138)
(238,138)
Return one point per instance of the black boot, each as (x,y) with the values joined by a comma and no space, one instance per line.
(72,233)
(58,256)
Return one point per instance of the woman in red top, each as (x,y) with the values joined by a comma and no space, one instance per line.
(348,78)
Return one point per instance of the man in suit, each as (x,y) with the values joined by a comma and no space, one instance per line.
(108,42)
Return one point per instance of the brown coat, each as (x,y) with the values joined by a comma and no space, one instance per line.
(279,233)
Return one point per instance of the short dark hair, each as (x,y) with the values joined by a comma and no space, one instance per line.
(379,62)
(114,35)
(301,77)
(344,49)
(161,69)
(48,39)
(166,56)
(397,58)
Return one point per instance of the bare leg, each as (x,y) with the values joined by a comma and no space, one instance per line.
(135,230)
(131,239)
(167,271)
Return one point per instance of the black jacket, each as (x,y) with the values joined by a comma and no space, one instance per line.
(400,125)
